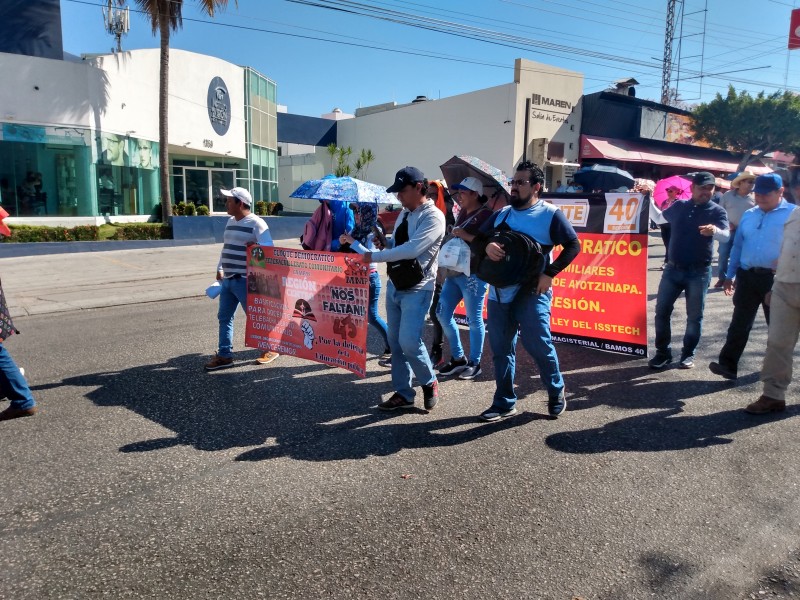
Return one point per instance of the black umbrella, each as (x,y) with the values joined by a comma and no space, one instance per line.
(603,177)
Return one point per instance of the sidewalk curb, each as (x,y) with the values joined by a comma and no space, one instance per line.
(15,250)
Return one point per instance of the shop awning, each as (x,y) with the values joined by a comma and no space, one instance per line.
(623,150)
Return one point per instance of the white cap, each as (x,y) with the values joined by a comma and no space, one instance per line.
(471,184)
(240,194)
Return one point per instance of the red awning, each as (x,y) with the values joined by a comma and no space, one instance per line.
(622,150)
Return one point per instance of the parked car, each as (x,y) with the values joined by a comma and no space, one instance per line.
(387,216)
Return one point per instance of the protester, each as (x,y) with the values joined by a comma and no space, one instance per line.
(443,201)
(756,249)
(735,202)
(363,240)
(560,187)
(666,228)
(243,229)
(411,256)
(458,286)
(784,324)
(695,224)
(12,380)
(525,308)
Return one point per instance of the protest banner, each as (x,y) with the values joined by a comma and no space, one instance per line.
(308,304)
(600,300)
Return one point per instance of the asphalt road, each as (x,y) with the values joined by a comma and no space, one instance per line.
(144,477)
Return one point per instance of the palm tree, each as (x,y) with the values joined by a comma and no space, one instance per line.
(166,16)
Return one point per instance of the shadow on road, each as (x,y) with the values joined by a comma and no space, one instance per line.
(308,412)
(662,430)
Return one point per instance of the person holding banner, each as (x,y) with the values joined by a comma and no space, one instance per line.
(411,257)
(243,230)
(525,308)
(361,240)
(695,224)
(458,286)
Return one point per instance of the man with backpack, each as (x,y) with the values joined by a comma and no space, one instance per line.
(411,259)
(523,305)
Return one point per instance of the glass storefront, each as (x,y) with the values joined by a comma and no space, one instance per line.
(262,136)
(52,171)
(198,181)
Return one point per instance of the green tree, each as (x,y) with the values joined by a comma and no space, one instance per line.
(166,16)
(340,161)
(750,125)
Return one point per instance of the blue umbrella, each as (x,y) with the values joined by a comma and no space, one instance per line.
(344,189)
(603,177)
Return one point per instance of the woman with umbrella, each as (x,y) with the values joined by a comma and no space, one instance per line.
(667,191)
(361,240)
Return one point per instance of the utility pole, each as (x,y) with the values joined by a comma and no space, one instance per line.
(669,36)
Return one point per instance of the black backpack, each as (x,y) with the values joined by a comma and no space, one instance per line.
(523,263)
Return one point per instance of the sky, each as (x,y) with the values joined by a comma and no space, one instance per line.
(322,58)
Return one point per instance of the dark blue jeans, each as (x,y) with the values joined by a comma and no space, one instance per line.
(751,289)
(529,314)
(12,384)
(694,283)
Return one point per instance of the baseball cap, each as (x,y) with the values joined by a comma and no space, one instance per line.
(768,183)
(704,178)
(471,184)
(240,194)
(405,176)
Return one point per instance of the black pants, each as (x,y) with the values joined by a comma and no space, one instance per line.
(751,289)
(666,232)
(438,333)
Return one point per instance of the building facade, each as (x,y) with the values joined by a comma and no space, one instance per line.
(537,116)
(79,137)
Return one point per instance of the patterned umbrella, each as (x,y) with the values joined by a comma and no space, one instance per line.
(494,180)
(676,181)
(344,189)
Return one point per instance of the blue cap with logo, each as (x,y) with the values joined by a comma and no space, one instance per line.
(405,176)
(768,183)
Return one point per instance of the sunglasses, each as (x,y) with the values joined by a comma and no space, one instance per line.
(518,182)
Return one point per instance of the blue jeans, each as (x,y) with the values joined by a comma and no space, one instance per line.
(472,290)
(234,293)
(406,312)
(724,253)
(694,282)
(530,314)
(372,314)
(12,384)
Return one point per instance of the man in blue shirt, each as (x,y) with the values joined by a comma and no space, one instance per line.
(526,307)
(751,270)
(695,224)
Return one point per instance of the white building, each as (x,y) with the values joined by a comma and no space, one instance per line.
(537,117)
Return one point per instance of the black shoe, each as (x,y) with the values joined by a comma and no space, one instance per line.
(471,372)
(557,405)
(431,395)
(718,369)
(659,361)
(454,366)
(492,414)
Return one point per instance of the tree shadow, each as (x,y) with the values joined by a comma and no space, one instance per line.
(310,412)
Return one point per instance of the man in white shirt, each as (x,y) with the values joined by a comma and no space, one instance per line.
(242,230)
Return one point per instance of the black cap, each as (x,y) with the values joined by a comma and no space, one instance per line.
(704,178)
(405,176)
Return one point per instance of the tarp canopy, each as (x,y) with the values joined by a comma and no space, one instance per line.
(624,150)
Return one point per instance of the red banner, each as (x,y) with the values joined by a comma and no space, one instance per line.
(308,304)
(600,300)
(794,30)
